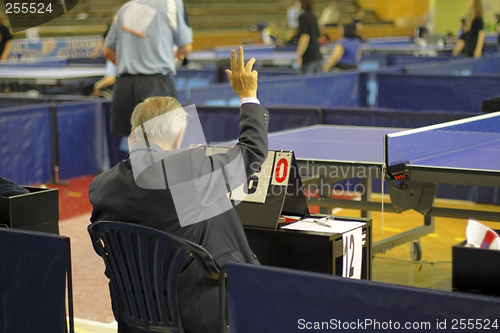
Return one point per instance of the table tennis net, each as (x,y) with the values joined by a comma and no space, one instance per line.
(412,145)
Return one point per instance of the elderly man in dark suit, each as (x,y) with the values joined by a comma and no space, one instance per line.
(122,194)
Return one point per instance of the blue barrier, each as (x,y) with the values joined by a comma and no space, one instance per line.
(379,58)
(187,79)
(368,86)
(316,90)
(459,67)
(270,72)
(378,117)
(436,92)
(407,59)
(33,268)
(222,123)
(488,64)
(268,299)
(81,138)
(26,154)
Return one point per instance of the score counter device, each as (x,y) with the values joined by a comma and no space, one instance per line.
(274,190)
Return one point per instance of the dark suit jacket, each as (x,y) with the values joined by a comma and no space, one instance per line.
(115,196)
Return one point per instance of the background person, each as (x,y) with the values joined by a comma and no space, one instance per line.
(141,43)
(358,15)
(103,87)
(271,34)
(462,33)
(474,41)
(308,54)
(421,31)
(347,52)
(497,28)
(5,39)
(330,16)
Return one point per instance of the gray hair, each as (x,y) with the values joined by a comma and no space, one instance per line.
(159,117)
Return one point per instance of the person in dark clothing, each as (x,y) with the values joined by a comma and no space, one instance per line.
(358,16)
(308,54)
(462,37)
(5,40)
(121,194)
(498,31)
(473,35)
(8,188)
(421,31)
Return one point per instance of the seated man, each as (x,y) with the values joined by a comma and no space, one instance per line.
(116,195)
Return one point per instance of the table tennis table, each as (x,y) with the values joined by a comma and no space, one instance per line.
(44,77)
(430,50)
(327,154)
(283,58)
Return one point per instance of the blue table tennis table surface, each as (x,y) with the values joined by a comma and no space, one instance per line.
(481,157)
(275,57)
(406,48)
(329,143)
(358,144)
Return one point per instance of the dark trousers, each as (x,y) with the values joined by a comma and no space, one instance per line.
(131,90)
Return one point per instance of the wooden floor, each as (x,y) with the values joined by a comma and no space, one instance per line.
(434,270)
(91,296)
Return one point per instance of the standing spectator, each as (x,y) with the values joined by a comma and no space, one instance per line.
(141,43)
(308,54)
(330,16)
(474,39)
(293,14)
(5,39)
(358,16)
(270,34)
(100,44)
(356,20)
(347,51)
(109,78)
(461,25)
(421,31)
(462,34)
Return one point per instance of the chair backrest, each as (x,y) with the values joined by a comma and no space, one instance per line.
(138,260)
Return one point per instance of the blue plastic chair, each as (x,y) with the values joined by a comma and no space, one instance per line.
(135,257)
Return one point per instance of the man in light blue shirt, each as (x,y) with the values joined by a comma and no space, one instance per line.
(141,43)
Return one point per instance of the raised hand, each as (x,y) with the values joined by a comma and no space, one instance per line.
(242,78)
